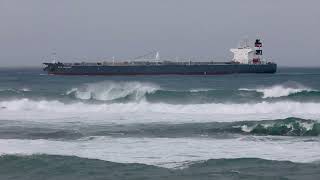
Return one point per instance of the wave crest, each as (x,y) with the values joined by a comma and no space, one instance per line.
(284,127)
(109,90)
(280,90)
(13,90)
(155,112)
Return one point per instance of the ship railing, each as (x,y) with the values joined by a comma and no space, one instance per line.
(146,63)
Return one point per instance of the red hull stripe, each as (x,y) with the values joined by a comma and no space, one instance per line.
(133,74)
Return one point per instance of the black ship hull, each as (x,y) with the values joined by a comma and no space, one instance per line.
(212,69)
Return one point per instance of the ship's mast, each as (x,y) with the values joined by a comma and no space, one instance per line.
(157,57)
(54,57)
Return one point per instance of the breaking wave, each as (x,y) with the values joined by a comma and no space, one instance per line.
(142,91)
(126,92)
(285,127)
(280,90)
(222,130)
(212,108)
(26,108)
(108,90)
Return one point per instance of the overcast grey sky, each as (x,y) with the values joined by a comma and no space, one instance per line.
(32,29)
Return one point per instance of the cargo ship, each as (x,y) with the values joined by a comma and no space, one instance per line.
(246,59)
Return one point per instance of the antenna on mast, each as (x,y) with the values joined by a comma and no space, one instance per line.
(54,57)
(157,57)
(244,43)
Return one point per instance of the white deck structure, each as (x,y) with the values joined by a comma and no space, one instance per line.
(243,55)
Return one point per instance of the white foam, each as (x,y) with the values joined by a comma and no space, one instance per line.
(10,89)
(279,90)
(109,90)
(168,152)
(307,125)
(16,90)
(25,89)
(247,129)
(201,90)
(142,111)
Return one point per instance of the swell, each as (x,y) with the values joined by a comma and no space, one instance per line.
(281,127)
(162,96)
(34,94)
(110,91)
(222,96)
(38,167)
(14,91)
(134,91)
(285,89)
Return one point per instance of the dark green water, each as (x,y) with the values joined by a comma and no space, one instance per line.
(38,167)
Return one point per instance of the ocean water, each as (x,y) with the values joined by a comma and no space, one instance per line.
(249,126)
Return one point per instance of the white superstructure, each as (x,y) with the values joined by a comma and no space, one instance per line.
(242,55)
(248,55)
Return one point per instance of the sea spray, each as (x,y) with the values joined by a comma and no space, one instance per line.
(109,90)
(281,90)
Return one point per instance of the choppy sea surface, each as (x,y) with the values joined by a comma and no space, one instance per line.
(249,126)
